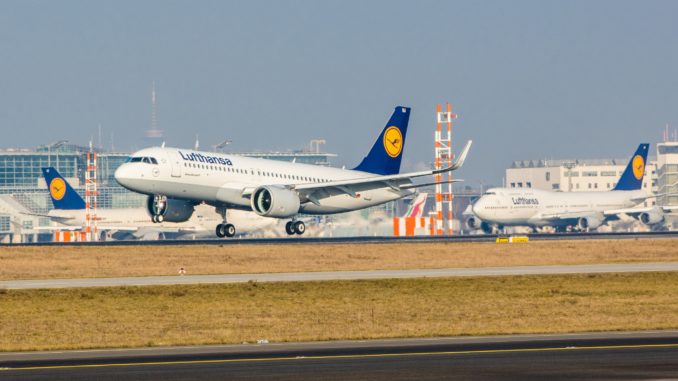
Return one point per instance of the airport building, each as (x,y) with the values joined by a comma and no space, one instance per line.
(667,179)
(23,191)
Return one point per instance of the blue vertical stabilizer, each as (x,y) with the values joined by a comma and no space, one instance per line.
(632,178)
(386,153)
(60,191)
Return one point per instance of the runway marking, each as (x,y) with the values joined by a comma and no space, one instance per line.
(338,357)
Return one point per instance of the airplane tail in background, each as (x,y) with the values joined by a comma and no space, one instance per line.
(386,153)
(416,208)
(632,178)
(60,191)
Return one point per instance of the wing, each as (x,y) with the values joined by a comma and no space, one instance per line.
(315,192)
(634,212)
(567,215)
(59,219)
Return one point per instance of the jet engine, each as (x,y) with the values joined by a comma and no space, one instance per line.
(474,222)
(272,201)
(651,218)
(591,222)
(162,208)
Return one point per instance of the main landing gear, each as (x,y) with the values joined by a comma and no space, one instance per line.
(224,229)
(295,227)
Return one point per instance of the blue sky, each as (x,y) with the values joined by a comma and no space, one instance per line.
(529,79)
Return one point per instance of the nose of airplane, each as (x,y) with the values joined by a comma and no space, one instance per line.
(123,175)
(479,208)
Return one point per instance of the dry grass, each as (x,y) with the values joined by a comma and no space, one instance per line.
(78,262)
(177,315)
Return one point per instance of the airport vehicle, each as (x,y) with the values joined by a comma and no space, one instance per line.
(500,207)
(69,211)
(176,179)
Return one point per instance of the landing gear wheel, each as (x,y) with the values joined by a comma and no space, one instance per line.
(159,218)
(229,229)
(289,228)
(299,227)
(221,231)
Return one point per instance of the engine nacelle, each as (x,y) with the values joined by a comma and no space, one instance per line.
(474,222)
(172,210)
(651,218)
(591,222)
(272,201)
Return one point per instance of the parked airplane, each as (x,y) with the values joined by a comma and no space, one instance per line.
(177,179)
(416,208)
(69,210)
(499,207)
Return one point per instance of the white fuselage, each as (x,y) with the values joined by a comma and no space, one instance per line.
(223,180)
(534,207)
(202,220)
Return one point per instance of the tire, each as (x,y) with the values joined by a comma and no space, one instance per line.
(299,227)
(289,228)
(160,218)
(221,231)
(229,229)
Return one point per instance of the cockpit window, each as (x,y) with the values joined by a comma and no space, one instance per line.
(489,193)
(142,159)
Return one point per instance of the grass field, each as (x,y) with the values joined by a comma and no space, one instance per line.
(210,314)
(77,262)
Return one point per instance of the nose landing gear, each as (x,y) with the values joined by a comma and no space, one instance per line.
(295,227)
(157,206)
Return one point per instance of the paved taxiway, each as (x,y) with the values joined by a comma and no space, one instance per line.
(341,275)
(635,355)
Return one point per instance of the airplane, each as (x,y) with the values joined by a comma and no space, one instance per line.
(176,179)
(500,207)
(69,211)
(416,208)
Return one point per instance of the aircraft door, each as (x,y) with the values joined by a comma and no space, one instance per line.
(175,162)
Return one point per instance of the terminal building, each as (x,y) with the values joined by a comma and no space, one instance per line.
(667,179)
(23,191)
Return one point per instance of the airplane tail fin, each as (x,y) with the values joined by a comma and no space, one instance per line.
(632,177)
(60,191)
(386,153)
(416,208)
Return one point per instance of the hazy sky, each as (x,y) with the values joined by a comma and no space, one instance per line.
(529,79)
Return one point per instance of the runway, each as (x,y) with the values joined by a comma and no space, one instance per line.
(614,355)
(364,240)
(340,275)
